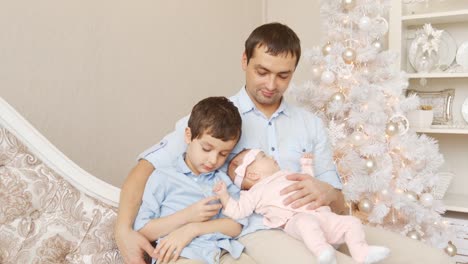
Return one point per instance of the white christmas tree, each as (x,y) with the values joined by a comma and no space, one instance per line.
(388,172)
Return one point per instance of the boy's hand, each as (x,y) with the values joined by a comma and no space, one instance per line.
(170,247)
(202,210)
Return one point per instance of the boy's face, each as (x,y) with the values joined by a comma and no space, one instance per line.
(206,153)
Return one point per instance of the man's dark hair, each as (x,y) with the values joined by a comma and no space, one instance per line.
(216,116)
(278,39)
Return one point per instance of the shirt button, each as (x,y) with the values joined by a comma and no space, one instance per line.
(272,148)
(269,123)
(303,150)
(161,143)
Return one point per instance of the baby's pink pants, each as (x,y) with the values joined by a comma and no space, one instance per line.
(320,229)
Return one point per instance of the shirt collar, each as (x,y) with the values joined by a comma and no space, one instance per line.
(182,167)
(246,105)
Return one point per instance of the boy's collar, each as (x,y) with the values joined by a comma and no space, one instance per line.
(182,167)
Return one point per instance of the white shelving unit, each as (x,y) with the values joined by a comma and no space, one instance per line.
(452,17)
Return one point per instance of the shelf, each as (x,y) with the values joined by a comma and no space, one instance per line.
(456,202)
(436,18)
(434,75)
(461,131)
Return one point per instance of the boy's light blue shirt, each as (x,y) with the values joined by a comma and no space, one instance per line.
(289,133)
(172,189)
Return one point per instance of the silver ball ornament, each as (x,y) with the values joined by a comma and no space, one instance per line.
(377,45)
(349,4)
(365,205)
(326,49)
(391,129)
(364,23)
(412,196)
(413,235)
(451,249)
(327,77)
(337,97)
(349,55)
(426,199)
(317,71)
(370,165)
(357,138)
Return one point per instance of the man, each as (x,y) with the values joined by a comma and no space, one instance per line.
(284,131)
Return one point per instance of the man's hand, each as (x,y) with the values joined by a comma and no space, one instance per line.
(132,246)
(308,190)
(202,210)
(170,247)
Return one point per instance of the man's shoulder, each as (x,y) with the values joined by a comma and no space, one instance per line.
(299,111)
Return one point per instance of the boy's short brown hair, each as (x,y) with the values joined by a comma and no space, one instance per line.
(216,116)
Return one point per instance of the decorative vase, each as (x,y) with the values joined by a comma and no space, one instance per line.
(426,61)
(420,118)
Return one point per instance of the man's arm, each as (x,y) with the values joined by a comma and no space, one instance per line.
(130,242)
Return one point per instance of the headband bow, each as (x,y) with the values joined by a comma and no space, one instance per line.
(246,161)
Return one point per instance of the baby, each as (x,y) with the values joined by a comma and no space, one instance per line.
(262,178)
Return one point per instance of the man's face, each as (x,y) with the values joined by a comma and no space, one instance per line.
(206,153)
(268,76)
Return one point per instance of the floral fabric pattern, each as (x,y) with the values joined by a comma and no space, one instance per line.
(44,219)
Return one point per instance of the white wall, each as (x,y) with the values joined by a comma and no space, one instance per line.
(104,80)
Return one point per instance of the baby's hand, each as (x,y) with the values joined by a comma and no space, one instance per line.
(220,188)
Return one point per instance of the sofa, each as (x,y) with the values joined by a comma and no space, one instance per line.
(51,210)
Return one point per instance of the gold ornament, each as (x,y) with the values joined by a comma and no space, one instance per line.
(413,235)
(451,249)
(365,205)
(316,72)
(349,4)
(326,49)
(357,138)
(327,77)
(349,55)
(412,196)
(391,129)
(337,97)
(364,23)
(370,164)
(345,21)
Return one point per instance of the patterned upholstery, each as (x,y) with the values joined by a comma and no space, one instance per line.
(44,219)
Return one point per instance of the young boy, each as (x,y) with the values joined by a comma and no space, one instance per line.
(178,208)
(262,177)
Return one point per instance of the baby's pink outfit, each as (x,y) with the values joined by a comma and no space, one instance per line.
(317,228)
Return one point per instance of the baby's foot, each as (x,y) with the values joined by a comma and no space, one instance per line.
(307,161)
(376,254)
(327,257)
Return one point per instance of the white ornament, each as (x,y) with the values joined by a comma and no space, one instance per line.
(426,199)
(327,77)
(412,196)
(451,249)
(364,23)
(337,97)
(414,235)
(377,45)
(317,71)
(365,205)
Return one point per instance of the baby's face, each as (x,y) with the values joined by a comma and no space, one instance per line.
(264,165)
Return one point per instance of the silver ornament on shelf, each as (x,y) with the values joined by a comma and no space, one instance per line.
(317,71)
(349,55)
(364,23)
(426,199)
(349,4)
(327,77)
(412,196)
(337,97)
(391,129)
(413,235)
(357,138)
(365,205)
(326,49)
(377,45)
(451,249)
(370,164)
